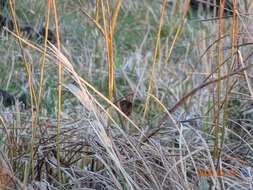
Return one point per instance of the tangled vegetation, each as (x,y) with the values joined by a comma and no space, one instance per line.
(112,94)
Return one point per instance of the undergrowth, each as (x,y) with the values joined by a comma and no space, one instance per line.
(133,95)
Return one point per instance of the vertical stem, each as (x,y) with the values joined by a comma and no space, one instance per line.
(42,65)
(150,85)
(218,131)
(31,90)
(108,53)
(229,67)
(108,33)
(58,139)
(97,5)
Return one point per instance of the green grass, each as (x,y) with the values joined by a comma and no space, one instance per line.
(98,154)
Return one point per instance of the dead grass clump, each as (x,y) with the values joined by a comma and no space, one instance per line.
(186,121)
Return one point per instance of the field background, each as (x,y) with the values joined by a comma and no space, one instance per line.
(184,71)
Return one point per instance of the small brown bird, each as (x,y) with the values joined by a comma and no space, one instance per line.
(126,107)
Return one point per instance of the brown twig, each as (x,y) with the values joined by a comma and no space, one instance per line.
(188,95)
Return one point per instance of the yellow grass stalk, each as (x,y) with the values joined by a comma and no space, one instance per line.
(97,10)
(109,43)
(59,98)
(150,85)
(26,64)
(95,21)
(217,130)
(107,29)
(234,39)
(31,89)
(178,31)
(42,64)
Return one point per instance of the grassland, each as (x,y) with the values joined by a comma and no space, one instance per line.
(186,73)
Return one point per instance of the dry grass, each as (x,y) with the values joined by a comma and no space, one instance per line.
(191,82)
